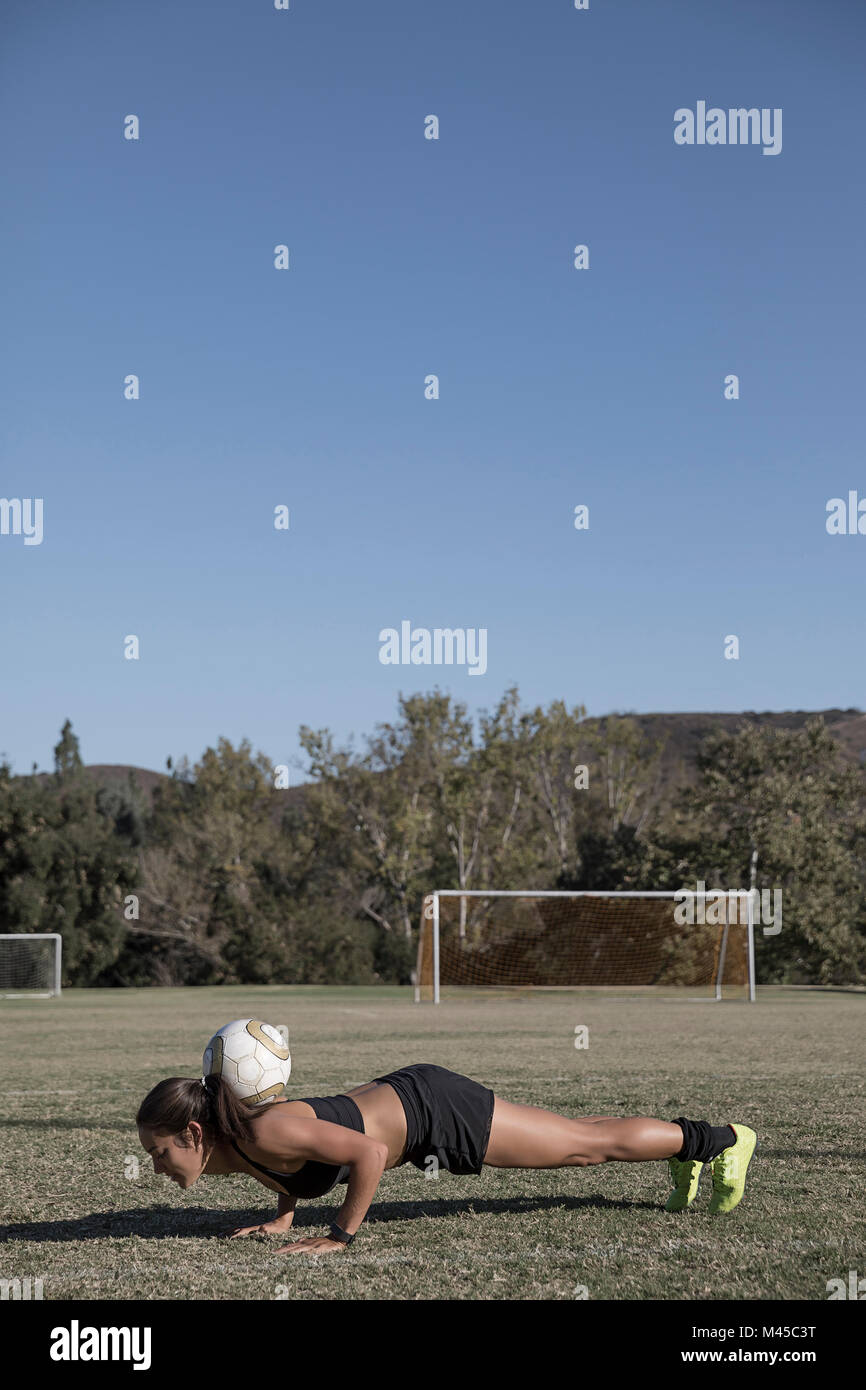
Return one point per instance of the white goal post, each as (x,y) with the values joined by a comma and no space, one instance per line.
(675,939)
(30,965)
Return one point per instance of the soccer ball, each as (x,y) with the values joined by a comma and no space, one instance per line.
(251,1057)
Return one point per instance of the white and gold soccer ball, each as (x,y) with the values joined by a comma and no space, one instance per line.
(252,1057)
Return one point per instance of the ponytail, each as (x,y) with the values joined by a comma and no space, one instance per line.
(173,1105)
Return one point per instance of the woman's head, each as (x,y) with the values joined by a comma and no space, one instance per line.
(182,1119)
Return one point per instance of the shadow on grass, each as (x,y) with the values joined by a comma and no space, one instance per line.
(498,1206)
(162,1223)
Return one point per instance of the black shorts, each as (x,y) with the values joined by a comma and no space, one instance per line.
(448,1117)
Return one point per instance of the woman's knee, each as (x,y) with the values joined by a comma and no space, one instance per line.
(592,1147)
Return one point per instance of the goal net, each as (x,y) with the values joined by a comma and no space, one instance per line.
(30,965)
(695,943)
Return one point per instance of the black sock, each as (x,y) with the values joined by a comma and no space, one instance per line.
(703,1141)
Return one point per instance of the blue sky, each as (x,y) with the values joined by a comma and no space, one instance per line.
(409,257)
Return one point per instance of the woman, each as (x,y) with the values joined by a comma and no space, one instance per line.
(424,1115)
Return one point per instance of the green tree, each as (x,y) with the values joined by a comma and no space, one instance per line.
(626,767)
(377,801)
(67,755)
(203,909)
(62,867)
(552,747)
(474,786)
(779,808)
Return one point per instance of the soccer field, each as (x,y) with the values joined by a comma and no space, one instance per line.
(85,1213)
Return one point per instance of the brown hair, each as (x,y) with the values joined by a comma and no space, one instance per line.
(174,1104)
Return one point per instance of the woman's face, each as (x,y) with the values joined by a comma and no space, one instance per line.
(179,1157)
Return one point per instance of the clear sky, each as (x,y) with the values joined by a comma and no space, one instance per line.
(410,257)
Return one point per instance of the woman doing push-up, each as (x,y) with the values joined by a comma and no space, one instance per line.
(424,1115)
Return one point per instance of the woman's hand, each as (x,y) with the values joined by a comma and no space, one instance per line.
(277,1227)
(311,1245)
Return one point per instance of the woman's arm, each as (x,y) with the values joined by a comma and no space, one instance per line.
(364,1178)
(291,1137)
(286,1209)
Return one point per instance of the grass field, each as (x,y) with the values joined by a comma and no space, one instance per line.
(78,1217)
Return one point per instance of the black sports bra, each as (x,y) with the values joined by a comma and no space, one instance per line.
(315,1179)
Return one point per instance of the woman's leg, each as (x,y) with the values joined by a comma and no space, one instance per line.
(524,1136)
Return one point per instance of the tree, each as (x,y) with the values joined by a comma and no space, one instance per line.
(780,809)
(377,800)
(552,745)
(627,764)
(67,755)
(203,916)
(62,868)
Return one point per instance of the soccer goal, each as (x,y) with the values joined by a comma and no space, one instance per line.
(30,965)
(685,943)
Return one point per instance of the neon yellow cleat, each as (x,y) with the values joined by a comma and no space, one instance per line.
(729,1170)
(686,1175)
